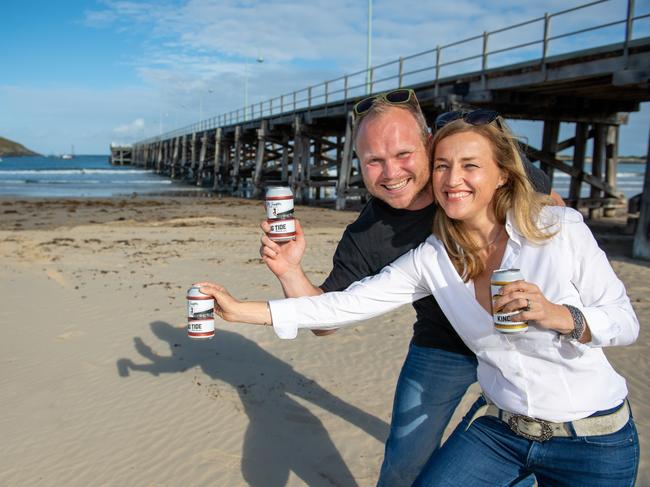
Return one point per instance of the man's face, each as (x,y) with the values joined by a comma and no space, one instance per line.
(394,161)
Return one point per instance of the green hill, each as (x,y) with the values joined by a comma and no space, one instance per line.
(9,148)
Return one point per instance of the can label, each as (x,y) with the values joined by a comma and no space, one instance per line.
(279,214)
(200,328)
(279,207)
(282,230)
(505,322)
(200,314)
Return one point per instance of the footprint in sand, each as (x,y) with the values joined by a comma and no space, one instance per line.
(57,277)
(70,334)
(212,456)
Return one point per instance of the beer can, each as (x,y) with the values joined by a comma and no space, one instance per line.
(279,213)
(505,322)
(200,314)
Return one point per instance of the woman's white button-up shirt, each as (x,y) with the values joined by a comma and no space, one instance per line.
(538,373)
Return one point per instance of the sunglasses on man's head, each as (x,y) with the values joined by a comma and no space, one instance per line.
(400,96)
(480,116)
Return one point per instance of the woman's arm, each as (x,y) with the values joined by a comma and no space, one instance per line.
(608,315)
(607,309)
(397,284)
(529,298)
(231,309)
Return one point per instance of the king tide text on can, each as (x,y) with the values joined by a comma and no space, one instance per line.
(279,213)
(200,314)
(503,322)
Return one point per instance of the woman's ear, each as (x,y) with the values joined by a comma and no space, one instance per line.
(503,179)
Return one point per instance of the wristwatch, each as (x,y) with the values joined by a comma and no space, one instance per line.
(579,322)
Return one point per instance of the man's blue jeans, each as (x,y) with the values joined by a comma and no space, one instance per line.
(430,386)
(488,453)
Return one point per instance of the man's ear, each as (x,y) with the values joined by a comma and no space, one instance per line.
(429,141)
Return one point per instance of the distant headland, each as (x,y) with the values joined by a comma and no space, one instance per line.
(9,148)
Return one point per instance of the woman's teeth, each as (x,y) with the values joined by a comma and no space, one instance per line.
(458,195)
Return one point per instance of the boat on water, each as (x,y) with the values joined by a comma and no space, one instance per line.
(69,156)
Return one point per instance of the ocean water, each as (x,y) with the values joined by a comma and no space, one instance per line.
(94,176)
(629,180)
(81,177)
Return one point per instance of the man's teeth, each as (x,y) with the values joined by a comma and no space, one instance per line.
(399,185)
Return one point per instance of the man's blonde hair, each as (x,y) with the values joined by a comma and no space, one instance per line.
(381,106)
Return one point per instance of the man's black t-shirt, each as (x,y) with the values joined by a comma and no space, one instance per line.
(379,236)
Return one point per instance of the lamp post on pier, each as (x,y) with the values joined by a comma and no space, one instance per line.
(369,51)
(260,60)
(183,107)
(201,103)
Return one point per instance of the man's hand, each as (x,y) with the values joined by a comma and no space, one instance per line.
(557,199)
(282,257)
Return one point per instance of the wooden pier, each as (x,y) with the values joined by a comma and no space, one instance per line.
(121,155)
(303,139)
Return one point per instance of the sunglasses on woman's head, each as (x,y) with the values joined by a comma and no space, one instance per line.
(400,96)
(480,116)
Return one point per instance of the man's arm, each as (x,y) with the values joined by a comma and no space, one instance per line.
(538,178)
(540,181)
(284,260)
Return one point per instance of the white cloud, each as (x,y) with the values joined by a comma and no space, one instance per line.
(213,40)
(135,127)
(195,55)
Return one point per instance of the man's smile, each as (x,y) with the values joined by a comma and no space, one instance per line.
(396,186)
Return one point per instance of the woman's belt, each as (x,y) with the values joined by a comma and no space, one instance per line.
(540,430)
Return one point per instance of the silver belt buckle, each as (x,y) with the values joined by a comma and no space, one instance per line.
(521,425)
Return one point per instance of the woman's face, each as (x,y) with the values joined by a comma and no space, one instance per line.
(466,176)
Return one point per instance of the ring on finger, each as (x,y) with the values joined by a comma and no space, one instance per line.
(528,303)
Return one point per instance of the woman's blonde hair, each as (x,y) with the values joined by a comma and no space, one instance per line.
(516,194)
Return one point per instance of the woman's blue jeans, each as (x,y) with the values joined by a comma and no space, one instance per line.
(488,453)
(430,386)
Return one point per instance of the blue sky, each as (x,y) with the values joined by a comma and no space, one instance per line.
(90,73)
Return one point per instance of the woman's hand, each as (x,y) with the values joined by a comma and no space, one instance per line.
(225,306)
(527,297)
(231,309)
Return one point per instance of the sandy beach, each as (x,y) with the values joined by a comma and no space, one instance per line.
(101,386)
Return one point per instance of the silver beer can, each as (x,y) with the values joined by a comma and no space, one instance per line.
(200,314)
(279,213)
(505,322)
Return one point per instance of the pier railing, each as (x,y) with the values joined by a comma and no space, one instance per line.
(470,55)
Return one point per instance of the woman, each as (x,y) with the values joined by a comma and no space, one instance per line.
(552,405)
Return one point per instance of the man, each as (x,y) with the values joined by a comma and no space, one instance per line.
(391,141)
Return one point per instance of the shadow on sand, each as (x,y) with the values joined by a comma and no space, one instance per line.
(265,385)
